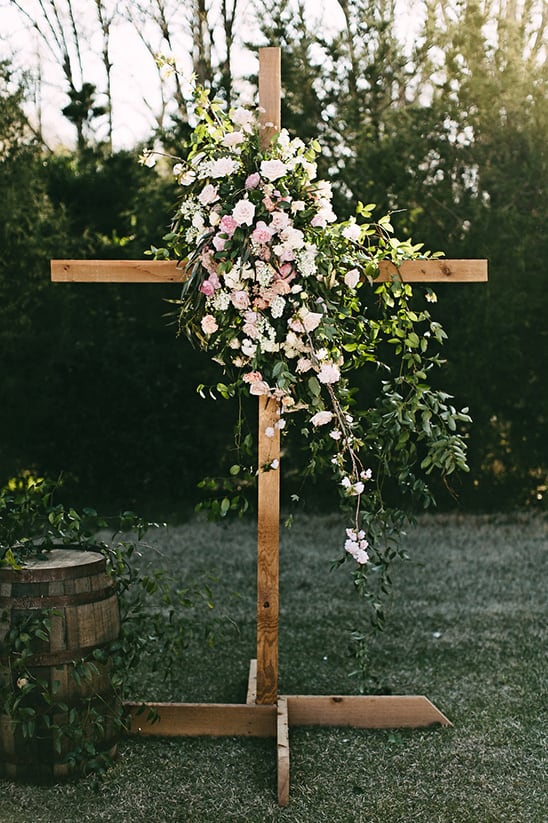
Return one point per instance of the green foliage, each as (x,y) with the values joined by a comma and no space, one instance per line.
(451,134)
(151,603)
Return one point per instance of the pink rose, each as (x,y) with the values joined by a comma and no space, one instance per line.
(240,300)
(252,377)
(352,278)
(262,233)
(285,270)
(280,287)
(329,373)
(219,242)
(307,321)
(223,167)
(259,387)
(228,225)
(280,220)
(273,169)
(207,288)
(209,324)
(253,181)
(321,418)
(208,194)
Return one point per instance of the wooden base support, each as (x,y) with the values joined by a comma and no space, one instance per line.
(255,720)
(282,751)
(249,720)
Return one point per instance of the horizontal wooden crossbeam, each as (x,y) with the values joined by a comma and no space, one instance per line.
(252,720)
(169,271)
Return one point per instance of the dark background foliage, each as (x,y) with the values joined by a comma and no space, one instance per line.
(94,381)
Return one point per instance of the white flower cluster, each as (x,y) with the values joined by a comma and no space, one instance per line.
(356,545)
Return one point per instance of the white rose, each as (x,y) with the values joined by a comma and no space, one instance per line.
(321,418)
(352,232)
(273,169)
(208,194)
(352,278)
(233,138)
(223,167)
(244,212)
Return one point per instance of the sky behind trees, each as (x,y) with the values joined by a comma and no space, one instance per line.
(135,82)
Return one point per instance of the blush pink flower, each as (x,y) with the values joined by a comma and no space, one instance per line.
(262,233)
(252,377)
(260,387)
(285,271)
(209,324)
(233,138)
(209,194)
(253,181)
(240,300)
(223,167)
(303,365)
(219,242)
(280,220)
(352,232)
(352,278)
(307,321)
(321,418)
(281,287)
(329,373)
(207,288)
(228,225)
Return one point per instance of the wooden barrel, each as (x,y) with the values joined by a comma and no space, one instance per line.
(85,617)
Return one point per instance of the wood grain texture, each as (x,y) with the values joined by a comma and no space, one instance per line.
(251,696)
(117,271)
(270,84)
(268,531)
(282,752)
(364,711)
(268,500)
(169,271)
(197,719)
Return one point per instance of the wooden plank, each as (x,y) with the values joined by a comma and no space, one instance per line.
(268,500)
(268,531)
(270,86)
(169,271)
(364,711)
(117,271)
(251,696)
(197,719)
(434,271)
(282,752)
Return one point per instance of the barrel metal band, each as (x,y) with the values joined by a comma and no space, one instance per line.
(54,601)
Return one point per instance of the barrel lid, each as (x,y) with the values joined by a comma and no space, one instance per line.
(56,564)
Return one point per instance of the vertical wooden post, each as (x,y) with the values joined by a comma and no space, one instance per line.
(268,531)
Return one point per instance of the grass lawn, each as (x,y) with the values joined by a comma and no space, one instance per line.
(466,627)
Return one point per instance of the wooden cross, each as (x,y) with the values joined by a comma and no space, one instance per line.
(265,713)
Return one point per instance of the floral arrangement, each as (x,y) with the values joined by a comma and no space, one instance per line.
(283,296)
